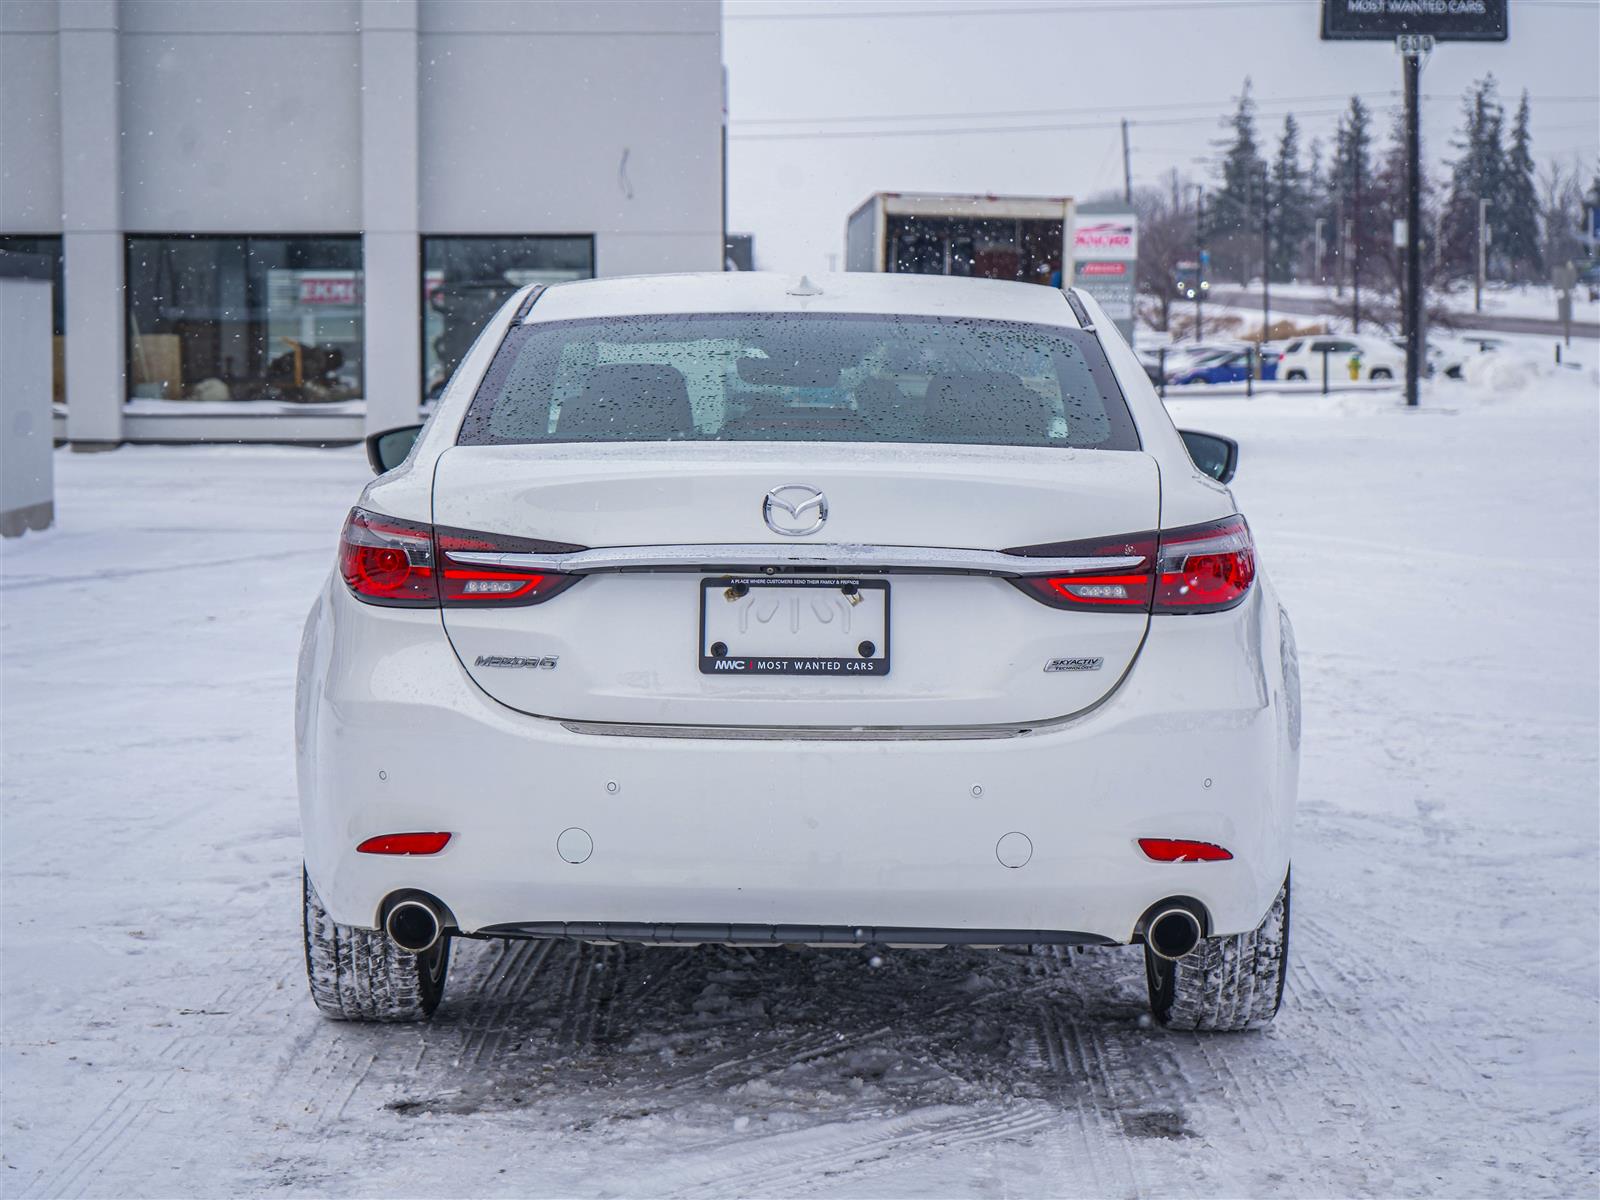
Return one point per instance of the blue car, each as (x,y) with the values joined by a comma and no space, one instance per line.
(1230,366)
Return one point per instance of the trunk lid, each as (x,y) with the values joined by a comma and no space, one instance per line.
(956,649)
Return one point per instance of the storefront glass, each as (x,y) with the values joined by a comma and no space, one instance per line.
(226,318)
(464,279)
(49,247)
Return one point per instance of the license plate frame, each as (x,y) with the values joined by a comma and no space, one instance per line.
(742,663)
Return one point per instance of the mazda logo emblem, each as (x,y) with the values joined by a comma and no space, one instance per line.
(795,509)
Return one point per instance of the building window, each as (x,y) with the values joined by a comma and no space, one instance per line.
(245,319)
(49,247)
(464,279)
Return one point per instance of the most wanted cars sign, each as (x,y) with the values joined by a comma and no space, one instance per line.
(1443,20)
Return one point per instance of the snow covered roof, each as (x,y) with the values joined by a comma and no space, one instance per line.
(763,291)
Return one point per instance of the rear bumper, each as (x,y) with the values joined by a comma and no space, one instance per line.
(1200,741)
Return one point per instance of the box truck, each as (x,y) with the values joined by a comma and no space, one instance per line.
(991,237)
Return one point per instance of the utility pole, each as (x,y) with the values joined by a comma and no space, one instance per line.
(1483,254)
(1412,50)
(1199,260)
(1355,245)
(1127,166)
(1341,238)
(1266,260)
(1316,250)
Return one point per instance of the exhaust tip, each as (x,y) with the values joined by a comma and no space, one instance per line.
(1173,933)
(414,926)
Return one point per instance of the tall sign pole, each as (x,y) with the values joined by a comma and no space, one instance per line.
(1414,28)
(1412,48)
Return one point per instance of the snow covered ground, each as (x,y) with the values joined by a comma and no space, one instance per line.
(1439,1035)
(1499,299)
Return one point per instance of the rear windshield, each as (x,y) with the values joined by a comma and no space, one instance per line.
(815,377)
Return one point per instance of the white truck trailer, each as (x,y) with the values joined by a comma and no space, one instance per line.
(991,237)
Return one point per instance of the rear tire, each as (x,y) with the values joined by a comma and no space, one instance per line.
(1296,377)
(360,975)
(1228,983)
(1381,373)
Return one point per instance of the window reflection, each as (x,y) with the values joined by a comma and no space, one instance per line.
(465,279)
(49,247)
(245,318)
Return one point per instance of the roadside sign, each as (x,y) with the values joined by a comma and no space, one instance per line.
(1106,258)
(1443,20)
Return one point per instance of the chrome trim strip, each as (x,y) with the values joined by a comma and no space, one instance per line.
(810,733)
(865,558)
(684,933)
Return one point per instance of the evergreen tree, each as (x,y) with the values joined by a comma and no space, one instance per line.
(1350,187)
(1476,175)
(1517,225)
(1292,216)
(1242,164)
(1321,207)
(1234,209)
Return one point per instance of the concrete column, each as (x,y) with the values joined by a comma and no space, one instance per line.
(27,479)
(91,222)
(389,180)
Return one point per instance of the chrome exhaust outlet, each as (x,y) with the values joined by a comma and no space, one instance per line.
(414,926)
(1173,933)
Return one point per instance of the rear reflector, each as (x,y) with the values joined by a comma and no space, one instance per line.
(404,843)
(1182,850)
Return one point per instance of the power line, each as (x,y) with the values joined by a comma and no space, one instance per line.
(1088,6)
(1276,102)
(999,114)
(1049,127)
(1084,6)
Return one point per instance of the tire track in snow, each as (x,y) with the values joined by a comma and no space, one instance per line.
(793,1162)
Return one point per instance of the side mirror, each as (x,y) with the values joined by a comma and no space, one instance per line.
(1214,454)
(387,450)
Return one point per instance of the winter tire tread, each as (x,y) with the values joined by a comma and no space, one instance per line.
(360,975)
(1228,983)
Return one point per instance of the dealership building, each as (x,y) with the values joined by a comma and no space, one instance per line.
(285,220)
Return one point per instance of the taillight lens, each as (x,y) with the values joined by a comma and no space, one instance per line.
(1197,569)
(1205,568)
(1126,588)
(479,585)
(406,564)
(387,561)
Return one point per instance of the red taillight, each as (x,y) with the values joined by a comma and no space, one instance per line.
(386,561)
(410,565)
(404,843)
(1200,568)
(1126,587)
(477,584)
(1205,568)
(1182,850)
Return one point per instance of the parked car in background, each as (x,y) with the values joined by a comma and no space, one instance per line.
(1375,358)
(1227,366)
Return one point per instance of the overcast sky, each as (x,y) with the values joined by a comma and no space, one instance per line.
(1172,67)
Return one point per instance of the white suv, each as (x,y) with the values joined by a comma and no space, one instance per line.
(1374,358)
(744,609)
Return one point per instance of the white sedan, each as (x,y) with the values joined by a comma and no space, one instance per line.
(741,608)
(1345,357)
